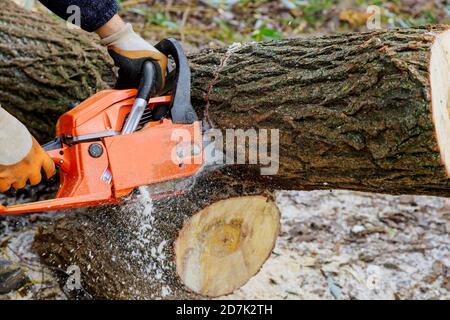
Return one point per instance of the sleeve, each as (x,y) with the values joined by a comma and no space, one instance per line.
(15,139)
(94,13)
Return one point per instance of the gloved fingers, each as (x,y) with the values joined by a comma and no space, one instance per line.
(49,167)
(19,183)
(35,177)
(5,185)
(28,169)
(4,174)
(130,62)
(162,60)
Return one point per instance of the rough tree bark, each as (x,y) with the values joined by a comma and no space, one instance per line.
(364,111)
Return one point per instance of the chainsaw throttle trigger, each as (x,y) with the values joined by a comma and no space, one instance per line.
(181,108)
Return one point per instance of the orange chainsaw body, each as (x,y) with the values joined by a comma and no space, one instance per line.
(121,162)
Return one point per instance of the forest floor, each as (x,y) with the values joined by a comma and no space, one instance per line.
(333,244)
(354,245)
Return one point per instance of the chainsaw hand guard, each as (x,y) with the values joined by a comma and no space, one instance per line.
(181,107)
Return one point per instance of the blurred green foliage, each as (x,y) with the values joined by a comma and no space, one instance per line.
(226,21)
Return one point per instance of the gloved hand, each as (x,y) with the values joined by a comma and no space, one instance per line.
(21,156)
(129,52)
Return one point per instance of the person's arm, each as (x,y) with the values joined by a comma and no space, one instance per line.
(94,13)
(21,157)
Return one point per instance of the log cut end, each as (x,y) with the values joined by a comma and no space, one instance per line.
(221,247)
(440,90)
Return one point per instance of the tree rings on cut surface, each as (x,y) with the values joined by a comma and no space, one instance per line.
(221,247)
(440,93)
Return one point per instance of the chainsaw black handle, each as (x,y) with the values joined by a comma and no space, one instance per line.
(147,88)
(181,107)
(147,85)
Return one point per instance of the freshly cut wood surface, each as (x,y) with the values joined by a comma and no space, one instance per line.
(440,92)
(221,247)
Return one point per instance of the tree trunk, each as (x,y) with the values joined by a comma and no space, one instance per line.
(365,111)
(355,111)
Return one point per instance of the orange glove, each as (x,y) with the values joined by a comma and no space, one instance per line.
(28,169)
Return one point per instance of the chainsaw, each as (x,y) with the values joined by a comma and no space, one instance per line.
(118,140)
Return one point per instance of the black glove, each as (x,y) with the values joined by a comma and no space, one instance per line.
(129,51)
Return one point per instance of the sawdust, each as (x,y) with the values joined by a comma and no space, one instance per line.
(146,255)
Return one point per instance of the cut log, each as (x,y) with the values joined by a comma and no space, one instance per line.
(204,243)
(362,111)
(225,244)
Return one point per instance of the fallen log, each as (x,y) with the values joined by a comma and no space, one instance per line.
(362,111)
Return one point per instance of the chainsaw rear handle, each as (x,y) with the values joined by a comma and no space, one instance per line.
(181,108)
